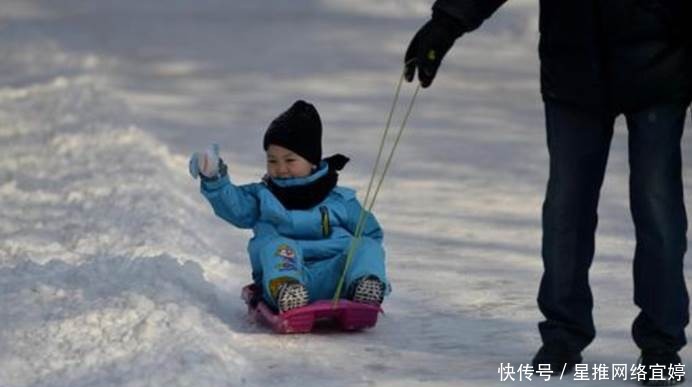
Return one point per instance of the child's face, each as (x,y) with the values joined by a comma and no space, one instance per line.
(283,163)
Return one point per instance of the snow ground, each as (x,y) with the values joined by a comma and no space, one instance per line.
(114,272)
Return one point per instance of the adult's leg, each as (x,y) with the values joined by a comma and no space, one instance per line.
(658,211)
(578,145)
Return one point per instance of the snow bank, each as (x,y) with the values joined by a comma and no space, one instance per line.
(105,264)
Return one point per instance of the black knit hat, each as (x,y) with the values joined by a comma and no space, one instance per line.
(298,129)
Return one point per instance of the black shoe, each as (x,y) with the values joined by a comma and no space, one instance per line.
(559,359)
(667,359)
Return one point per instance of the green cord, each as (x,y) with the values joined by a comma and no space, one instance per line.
(367,203)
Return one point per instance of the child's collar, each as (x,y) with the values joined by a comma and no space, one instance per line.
(297,181)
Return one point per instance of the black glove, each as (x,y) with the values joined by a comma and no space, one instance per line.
(429,46)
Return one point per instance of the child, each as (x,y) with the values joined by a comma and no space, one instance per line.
(302,221)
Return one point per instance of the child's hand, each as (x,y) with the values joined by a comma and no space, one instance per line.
(207,163)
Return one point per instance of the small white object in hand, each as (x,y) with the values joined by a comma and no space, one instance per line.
(205,163)
(209,161)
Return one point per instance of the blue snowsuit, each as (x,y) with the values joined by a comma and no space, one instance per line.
(310,245)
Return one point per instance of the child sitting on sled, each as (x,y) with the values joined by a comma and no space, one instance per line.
(303,222)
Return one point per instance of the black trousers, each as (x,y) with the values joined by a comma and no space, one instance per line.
(578,144)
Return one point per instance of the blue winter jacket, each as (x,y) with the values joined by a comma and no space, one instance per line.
(321,232)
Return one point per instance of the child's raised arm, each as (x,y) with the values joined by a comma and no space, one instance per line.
(237,205)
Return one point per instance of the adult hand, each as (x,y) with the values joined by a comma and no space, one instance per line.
(429,46)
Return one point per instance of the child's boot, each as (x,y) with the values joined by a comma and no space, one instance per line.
(291,295)
(369,290)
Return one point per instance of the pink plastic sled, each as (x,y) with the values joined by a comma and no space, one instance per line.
(346,315)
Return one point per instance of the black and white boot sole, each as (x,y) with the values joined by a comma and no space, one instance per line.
(369,291)
(292,296)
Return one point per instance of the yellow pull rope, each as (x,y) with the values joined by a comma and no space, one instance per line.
(369,203)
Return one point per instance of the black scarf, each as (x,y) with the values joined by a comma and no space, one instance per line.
(303,197)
